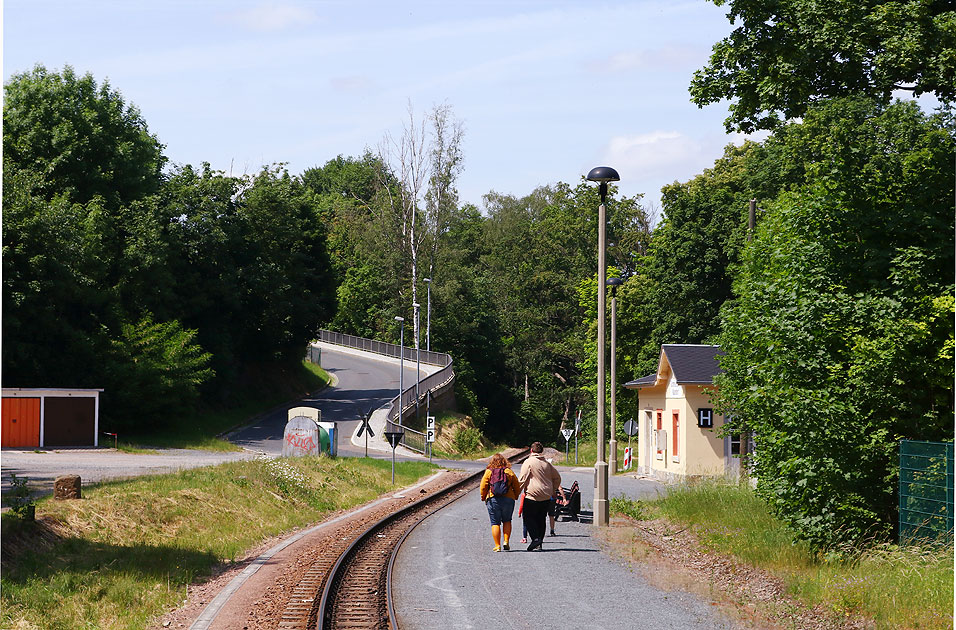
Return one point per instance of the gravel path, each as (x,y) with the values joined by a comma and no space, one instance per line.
(446,575)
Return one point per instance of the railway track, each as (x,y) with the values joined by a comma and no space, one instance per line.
(347,585)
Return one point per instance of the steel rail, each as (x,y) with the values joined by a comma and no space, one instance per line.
(323,612)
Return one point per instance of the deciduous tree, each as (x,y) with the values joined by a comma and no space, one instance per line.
(784,56)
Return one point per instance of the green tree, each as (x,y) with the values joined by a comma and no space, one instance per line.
(840,341)
(79,138)
(784,56)
(284,276)
(364,242)
(155,371)
(689,264)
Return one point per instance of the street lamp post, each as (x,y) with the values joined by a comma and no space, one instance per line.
(614,283)
(428,348)
(401,366)
(428,317)
(418,361)
(602,175)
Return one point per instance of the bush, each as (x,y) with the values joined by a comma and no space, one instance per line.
(468,440)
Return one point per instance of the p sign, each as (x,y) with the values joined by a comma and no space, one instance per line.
(429,435)
(627,458)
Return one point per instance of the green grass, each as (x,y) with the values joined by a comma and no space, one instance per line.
(896,587)
(127,551)
(201,429)
(587,452)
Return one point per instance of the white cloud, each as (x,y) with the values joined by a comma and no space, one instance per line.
(653,155)
(271,17)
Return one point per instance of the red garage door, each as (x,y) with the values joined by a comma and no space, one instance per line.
(21,422)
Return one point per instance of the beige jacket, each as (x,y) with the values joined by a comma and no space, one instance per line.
(539,479)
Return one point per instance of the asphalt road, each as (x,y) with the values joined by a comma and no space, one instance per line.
(362,381)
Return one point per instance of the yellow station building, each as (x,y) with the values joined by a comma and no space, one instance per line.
(678,427)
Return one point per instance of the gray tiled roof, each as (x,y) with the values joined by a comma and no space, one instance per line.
(691,363)
(650,379)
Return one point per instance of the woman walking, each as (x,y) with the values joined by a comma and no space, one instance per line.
(499,490)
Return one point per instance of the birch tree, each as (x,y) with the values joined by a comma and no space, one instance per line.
(427,163)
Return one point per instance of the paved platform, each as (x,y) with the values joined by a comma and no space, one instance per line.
(447,576)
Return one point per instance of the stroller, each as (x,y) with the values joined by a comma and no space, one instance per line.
(571,506)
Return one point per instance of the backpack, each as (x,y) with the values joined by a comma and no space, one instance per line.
(499,482)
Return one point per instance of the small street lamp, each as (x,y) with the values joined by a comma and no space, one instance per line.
(401,366)
(602,175)
(614,283)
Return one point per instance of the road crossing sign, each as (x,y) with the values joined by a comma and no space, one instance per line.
(567,433)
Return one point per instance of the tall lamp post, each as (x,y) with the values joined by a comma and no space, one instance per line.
(401,366)
(602,175)
(614,283)
(418,361)
(428,317)
(428,347)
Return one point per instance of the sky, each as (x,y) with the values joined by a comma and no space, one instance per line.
(545,90)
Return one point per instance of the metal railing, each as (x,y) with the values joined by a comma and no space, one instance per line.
(383,347)
(313,355)
(926,491)
(432,385)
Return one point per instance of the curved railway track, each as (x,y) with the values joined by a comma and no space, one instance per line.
(347,585)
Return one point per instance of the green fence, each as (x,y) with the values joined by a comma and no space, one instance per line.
(926,491)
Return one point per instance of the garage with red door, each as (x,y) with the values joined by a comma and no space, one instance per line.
(50,417)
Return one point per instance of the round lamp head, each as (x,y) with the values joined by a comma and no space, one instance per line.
(614,282)
(399,319)
(603,174)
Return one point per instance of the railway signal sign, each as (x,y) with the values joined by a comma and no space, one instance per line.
(366,429)
(567,433)
(394,437)
(631,428)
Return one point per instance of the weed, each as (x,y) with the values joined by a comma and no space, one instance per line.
(19,496)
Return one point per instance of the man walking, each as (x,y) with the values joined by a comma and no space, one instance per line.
(540,481)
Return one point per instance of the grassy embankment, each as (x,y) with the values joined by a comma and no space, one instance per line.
(201,429)
(896,587)
(458,438)
(127,551)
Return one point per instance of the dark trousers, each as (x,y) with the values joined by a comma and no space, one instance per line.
(535,513)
